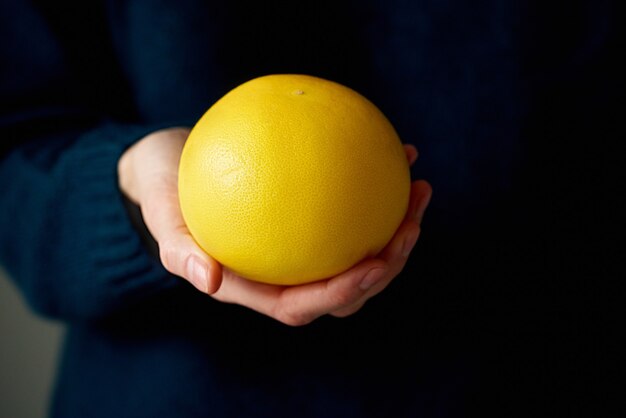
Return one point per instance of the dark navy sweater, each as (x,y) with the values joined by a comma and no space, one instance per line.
(494,94)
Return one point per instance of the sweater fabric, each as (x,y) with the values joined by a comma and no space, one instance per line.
(490,93)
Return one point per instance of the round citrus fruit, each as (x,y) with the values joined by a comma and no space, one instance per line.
(289,179)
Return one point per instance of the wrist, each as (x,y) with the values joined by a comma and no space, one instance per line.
(150,161)
(125,176)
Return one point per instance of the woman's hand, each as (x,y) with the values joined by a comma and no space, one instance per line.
(148,175)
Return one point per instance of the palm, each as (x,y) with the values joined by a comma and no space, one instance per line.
(156,193)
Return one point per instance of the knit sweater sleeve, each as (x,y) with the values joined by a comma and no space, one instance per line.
(76,90)
(66,238)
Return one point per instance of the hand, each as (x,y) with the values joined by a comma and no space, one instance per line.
(148,175)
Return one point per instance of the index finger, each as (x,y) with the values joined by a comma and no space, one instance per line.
(301,304)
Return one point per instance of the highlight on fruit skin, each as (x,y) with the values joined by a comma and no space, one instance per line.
(289,179)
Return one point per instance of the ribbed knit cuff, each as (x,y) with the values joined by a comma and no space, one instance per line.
(112,266)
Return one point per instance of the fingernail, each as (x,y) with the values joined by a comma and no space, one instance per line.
(197,273)
(409,243)
(371,278)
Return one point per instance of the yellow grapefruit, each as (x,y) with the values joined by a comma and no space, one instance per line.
(289,179)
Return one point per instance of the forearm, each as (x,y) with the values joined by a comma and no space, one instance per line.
(66,238)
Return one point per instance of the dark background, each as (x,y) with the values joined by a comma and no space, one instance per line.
(517,109)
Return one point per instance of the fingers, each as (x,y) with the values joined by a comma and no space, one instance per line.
(348,310)
(296,305)
(149,175)
(411,153)
(340,296)
(421,193)
(178,251)
(299,305)
(180,256)
(424,191)
(396,253)
(332,295)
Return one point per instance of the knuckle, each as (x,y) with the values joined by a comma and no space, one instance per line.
(167,254)
(293,318)
(343,313)
(396,270)
(396,266)
(341,298)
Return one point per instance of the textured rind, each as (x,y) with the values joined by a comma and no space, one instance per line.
(289,179)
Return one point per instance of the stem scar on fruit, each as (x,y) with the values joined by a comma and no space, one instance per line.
(298,92)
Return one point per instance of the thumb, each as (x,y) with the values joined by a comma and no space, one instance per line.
(178,251)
